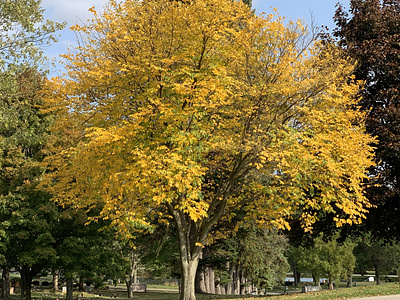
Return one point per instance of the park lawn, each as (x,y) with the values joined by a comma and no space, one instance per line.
(343,293)
(339,293)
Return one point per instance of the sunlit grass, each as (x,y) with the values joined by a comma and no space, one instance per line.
(344,293)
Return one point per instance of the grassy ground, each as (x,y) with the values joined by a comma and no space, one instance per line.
(344,293)
(169,294)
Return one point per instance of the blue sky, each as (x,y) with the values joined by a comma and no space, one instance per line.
(76,11)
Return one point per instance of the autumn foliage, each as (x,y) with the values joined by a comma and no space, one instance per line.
(188,112)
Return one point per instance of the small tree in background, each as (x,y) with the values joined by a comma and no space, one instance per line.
(377,254)
(259,254)
(329,259)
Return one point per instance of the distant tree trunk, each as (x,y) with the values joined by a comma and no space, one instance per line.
(26,281)
(129,286)
(254,289)
(350,280)
(55,281)
(217,286)
(330,286)
(132,279)
(236,281)
(229,286)
(69,289)
(200,280)
(211,280)
(223,289)
(5,292)
(377,275)
(81,282)
(316,280)
(206,279)
(134,268)
(128,283)
(296,276)
(242,283)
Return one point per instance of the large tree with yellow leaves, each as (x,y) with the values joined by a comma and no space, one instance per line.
(189,112)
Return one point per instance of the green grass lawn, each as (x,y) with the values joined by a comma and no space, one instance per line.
(165,294)
(345,293)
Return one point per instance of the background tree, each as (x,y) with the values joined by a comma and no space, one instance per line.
(369,33)
(259,254)
(376,254)
(240,263)
(27,216)
(293,256)
(193,111)
(22,135)
(328,259)
(86,252)
(23,32)
(160,252)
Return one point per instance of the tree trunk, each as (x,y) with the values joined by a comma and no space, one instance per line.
(217,286)
(134,267)
(254,289)
(330,286)
(26,281)
(316,280)
(211,280)
(229,286)
(377,275)
(5,292)
(128,283)
(81,282)
(236,282)
(192,237)
(206,280)
(350,280)
(188,273)
(242,283)
(69,289)
(189,259)
(200,280)
(296,276)
(55,281)
(132,279)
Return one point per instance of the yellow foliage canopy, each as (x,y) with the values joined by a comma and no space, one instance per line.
(194,111)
